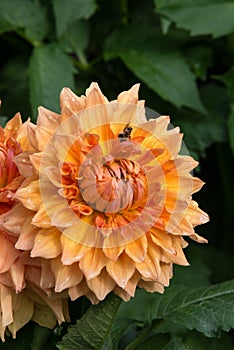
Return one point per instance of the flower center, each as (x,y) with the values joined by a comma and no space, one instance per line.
(114,186)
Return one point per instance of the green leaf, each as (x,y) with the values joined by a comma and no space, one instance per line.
(161,342)
(27,18)
(157,63)
(3,121)
(207,309)
(196,341)
(76,39)
(91,331)
(50,70)
(200,17)
(167,75)
(70,11)
(207,129)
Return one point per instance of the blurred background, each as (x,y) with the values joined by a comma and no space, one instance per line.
(182,53)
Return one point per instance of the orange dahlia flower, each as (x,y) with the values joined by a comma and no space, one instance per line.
(21,297)
(110,198)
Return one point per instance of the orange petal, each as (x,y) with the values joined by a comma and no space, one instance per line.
(132,284)
(151,286)
(47,277)
(12,126)
(130,96)
(137,250)
(82,289)
(101,285)
(6,305)
(27,235)
(72,251)
(17,275)
(29,193)
(48,118)
(47,243)
(70,103)
(122,293)
(93,262)
(8,253)
(36,159)
(150,267)
(121,270)
(66,276)
(94,96)
(24,165)
(15,217)
(41,218)
(178,257)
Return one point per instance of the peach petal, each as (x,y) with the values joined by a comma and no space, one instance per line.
(36,160)
(6,305)
(162,239)
(101,285)
(132,284)
(24,165)
(150,267)
(17,275)
(66,276)
(113,253)
(54,175)
(47,243)
(151,287)
(72,251)
(47,277)
(94,96)
(27,235)
(130,96)
(41,218)
(70,103)
(22,313)
(80,290)
(166,274)
(178,257)
(42,299)
(43,135)
(121,270)
(137,249)
(83,232)
(12,126)
(48,118)
(92,263)
(64,217)
(122,293)
(8,253)
(29,193)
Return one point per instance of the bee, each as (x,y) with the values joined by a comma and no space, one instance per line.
(126,133)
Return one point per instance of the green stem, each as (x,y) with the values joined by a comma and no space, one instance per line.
(34,43)
(144,334)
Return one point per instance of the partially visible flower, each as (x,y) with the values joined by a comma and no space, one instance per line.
(10,146)
(21,297)
(108,196)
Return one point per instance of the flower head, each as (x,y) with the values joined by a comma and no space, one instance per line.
(110,197)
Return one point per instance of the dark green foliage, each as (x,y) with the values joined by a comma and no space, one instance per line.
(182,53)
(91,331)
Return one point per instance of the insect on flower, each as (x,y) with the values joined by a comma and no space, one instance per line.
(126,133)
